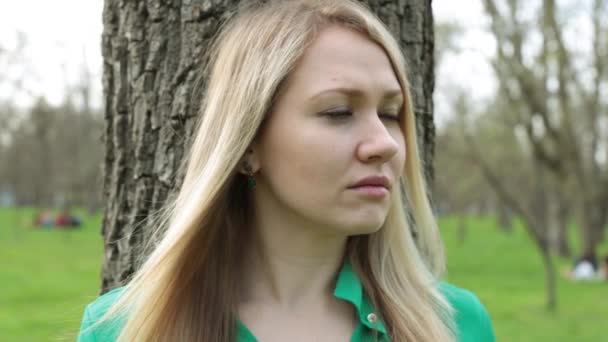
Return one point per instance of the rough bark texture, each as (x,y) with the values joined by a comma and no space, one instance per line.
(151,51)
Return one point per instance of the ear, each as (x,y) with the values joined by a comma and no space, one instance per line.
(250,158)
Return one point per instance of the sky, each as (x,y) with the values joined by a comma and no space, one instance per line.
(64,36)
(469,68)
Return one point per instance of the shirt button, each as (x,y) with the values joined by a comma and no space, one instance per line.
(372,318)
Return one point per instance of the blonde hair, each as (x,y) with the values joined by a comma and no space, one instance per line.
(191,275)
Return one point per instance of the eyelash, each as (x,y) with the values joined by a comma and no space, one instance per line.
(343,114)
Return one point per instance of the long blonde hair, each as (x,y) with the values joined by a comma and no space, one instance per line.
(187,289)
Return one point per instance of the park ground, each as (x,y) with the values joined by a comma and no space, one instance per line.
(48,276)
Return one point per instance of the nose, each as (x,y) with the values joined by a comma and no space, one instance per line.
(378,144)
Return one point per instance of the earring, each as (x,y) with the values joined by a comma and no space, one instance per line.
(250,178)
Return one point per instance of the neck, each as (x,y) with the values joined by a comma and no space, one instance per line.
(290,265)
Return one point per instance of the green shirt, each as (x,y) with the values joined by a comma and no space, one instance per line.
(472,320)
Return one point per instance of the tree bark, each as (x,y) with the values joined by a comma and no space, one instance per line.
(151,50)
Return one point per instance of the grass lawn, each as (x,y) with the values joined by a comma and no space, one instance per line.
(49,276)
(506,273)
(46,277)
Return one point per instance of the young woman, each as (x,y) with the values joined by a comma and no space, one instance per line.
(290,224)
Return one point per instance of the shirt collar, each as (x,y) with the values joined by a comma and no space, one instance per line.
(350,289)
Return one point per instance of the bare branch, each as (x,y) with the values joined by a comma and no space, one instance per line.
(565,77)
(532,90)
(600,45)
(505,196)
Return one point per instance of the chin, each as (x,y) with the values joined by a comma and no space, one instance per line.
(363,228)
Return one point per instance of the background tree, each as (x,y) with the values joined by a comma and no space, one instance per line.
(49,154)
(519,181)
(559,97)
(152,52)
(541,142)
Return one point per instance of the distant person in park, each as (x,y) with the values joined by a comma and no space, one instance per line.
(44,219)
(586,268)
(290,223)
(67,220)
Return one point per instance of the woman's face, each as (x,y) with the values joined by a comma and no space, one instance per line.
(335,123)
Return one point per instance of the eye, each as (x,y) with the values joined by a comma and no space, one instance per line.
(338,114)
(390,116)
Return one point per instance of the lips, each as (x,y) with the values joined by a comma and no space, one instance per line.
(373,181)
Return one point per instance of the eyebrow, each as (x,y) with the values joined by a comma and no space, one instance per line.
(353,92)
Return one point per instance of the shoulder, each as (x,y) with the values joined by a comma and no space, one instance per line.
(108,331)
(471,317)
(462,300)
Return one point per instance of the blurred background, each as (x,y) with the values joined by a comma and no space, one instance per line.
(521,163)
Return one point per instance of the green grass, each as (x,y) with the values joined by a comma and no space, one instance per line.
(507,274)
(47,277)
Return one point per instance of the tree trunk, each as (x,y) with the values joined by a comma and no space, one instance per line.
(151,50)
(550,281)
(505,219)
(559,216)
(592,223)
(563,246)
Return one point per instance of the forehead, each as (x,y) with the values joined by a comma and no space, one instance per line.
(343,57)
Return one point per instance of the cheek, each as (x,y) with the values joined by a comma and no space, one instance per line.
(306,162)
(305,165)
(398,161)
